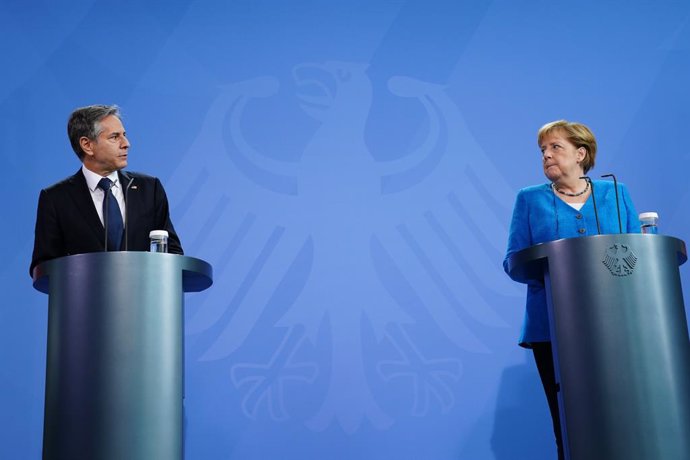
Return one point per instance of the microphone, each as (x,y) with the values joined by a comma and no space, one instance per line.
(618,206)
(105,216)
(594,202)
(129,184)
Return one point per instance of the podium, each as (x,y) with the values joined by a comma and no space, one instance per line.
(620,341)
(114,373)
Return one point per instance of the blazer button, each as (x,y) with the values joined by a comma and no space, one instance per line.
(579,216)
(581,231)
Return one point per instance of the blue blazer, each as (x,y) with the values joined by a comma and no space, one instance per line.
(67,221)
(540,216)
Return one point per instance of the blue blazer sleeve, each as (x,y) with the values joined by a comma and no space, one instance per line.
(519,236)
(633,221)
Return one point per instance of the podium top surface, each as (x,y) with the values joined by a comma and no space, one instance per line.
(528,264)
(197,274)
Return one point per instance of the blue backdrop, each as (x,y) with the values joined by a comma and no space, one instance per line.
(349,169)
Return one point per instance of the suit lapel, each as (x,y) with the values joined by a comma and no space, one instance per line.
(80,194)
(132,201)
(608,200)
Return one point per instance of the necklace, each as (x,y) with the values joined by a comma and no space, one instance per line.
(553,186)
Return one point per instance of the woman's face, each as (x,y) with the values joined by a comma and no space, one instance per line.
(561,159)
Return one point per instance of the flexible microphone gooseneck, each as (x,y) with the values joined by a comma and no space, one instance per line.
(618,206)
(594,202)
(129,184)
(105,217)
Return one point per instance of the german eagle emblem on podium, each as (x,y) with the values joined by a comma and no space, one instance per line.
(620,260)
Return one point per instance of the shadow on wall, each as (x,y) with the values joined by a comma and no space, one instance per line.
(521,421)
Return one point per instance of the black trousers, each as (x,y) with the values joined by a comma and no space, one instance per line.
(543,356)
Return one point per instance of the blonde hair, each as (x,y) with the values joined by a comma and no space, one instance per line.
(577,134)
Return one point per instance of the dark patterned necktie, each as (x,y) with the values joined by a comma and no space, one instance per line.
(111,215)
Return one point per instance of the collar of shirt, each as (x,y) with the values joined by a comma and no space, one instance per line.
(92,178)
(97,194)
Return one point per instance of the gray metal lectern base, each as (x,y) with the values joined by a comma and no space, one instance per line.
(620,340)
(114,378)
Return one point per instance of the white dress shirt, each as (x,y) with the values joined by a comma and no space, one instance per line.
(97,194)
(576,206)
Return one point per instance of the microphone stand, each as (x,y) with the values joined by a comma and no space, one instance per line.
(129,184)
(594,202)
(618,207)
(105,217)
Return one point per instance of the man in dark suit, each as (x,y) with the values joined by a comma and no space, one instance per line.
(72,214)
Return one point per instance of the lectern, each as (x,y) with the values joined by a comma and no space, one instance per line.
(620,341)
(114,377)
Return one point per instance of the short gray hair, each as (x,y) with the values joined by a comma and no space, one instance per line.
(86,122)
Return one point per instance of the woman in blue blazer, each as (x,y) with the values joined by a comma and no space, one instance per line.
(562,208)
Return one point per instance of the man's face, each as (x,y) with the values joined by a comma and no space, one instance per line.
(108,152)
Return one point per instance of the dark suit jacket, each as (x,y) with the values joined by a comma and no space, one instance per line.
(67,222)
